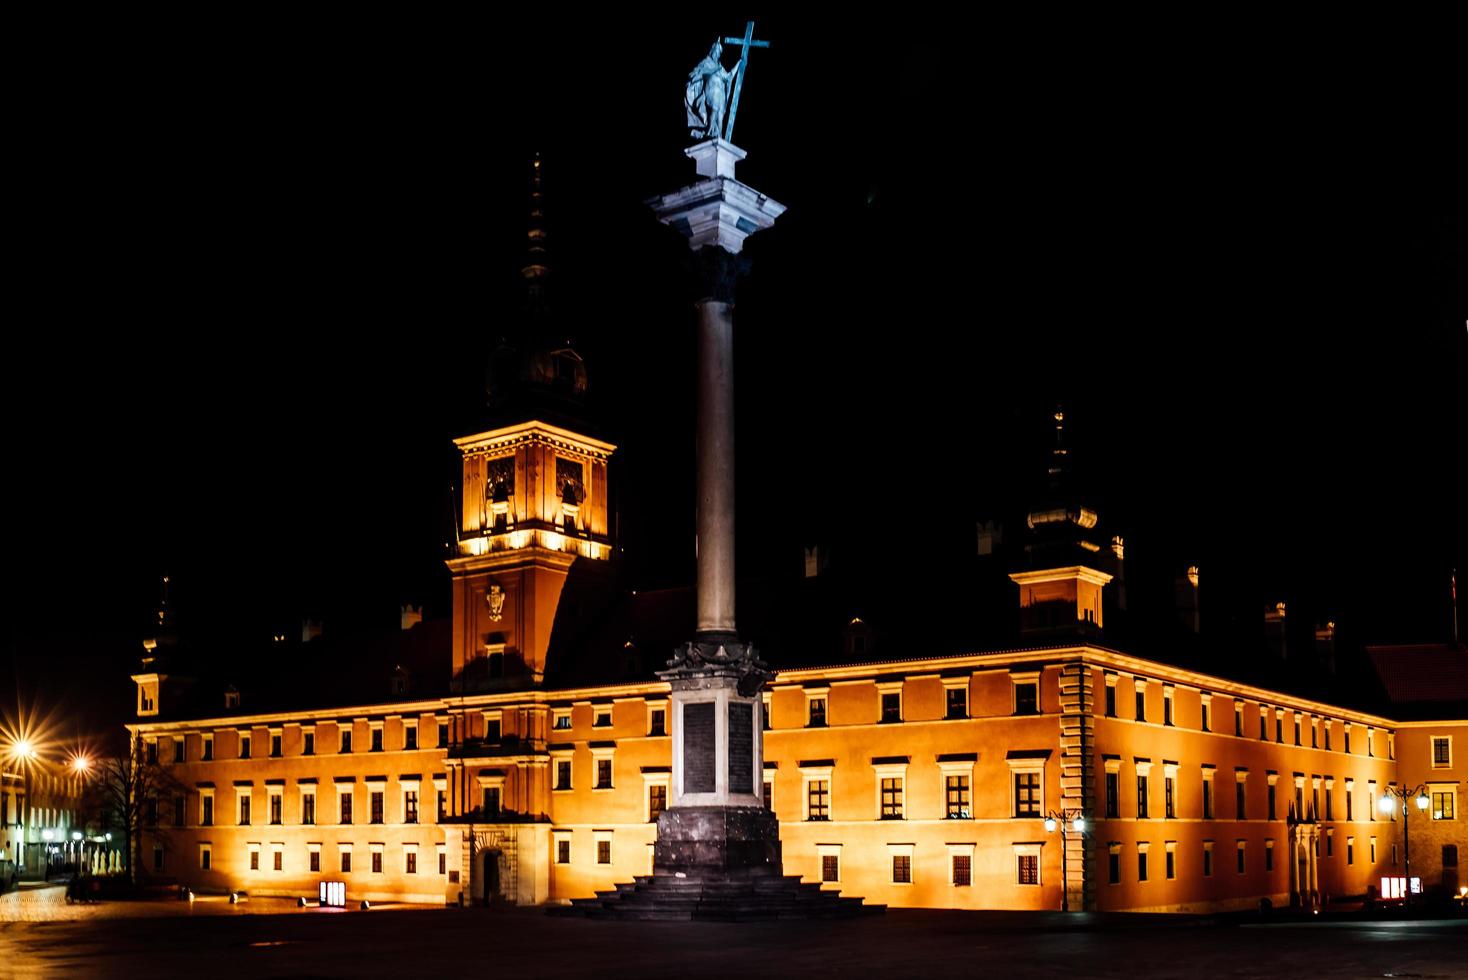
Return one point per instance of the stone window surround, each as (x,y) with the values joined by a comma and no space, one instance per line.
(252,857)
(206,854)
(557,836)
(824,851)
(891,770)
(410,847)
(1170,850)
(1432,751)
(1435,788)
(343,853)
(808,775)
(1017,766)
(961,768)
(818,693)
(412,783)
(558,756)
(664,706)
(377,850)
(1016,678)
(960,850)
(598,753)
(901,850)
(883,688)
(650,779)
(556,715)
(599,837)
(957,684)
(1029,849)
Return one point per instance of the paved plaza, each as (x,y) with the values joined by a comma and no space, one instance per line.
(42,936)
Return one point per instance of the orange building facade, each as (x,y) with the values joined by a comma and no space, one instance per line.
(1067,775)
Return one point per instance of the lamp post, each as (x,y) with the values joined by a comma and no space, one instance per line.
(23,752)
(1388,805)
(1067,822)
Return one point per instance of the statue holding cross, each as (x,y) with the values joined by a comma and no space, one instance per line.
(707,96)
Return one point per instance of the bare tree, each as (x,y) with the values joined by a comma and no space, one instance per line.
(128,792)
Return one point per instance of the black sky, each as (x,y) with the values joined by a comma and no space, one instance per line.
(256,269)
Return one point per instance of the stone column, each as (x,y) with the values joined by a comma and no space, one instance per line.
(716,824)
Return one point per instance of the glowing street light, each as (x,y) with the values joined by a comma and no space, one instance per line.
(81,764)
(1388,805)
(1067,822)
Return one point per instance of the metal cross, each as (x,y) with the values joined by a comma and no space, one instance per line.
(744,43)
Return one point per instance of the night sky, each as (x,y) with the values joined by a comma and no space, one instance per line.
(259,268)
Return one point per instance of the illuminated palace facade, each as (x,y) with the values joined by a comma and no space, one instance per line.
(916,781)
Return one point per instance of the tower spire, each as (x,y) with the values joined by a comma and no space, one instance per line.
(536,270)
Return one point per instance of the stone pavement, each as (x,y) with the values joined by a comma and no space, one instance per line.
(168,939)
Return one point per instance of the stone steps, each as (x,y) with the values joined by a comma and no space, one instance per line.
(731,899)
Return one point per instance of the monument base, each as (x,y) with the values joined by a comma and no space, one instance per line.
(722,841)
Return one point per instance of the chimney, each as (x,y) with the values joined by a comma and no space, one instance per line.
(1325,646)
(1274,630)
(409,616)
(1185,593)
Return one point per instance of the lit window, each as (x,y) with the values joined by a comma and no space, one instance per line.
(1444,804)
(818,799)
(1027,802)
(891,789)
(657,801)
(956,791)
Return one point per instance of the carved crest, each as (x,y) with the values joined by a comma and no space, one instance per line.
(495,599)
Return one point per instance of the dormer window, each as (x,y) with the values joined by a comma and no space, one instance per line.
(231,698)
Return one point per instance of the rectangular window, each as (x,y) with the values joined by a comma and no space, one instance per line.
(410,806)
(901,869)
(206,857)
(489,800)
(562,721)
(443,804)
(818,799)
(374,806)
(603,852)
(563,851)
(603,773)
(830,867)
(657,722)
(346,742)
(376,861)
(956,792)
(1268,858)
(1027,794)
(152,748)
(1141,865)
(376,733)
(1113,867)
(157,858)
(1239,858)
(1330,845)
(1113,795)
(443,734)
(891,707)
(1207,799)
(816,713)
(254,859)
(1297,731)
(1327,735)
(1350,850)
(1350,803)
(1329,803)
(178,811)
(1111,700)
(346,860)
(410,737)
(957,701)
(657,801)
(443,861)
(603,718)
(962,870)
(275,808)
(245,750)
(1442,752)
(308,743)
(277,860)
(314,860)
(1443,804)
(1141,703)
(1141,797)
(1450,855)
(1169,798)
(206,810)
(178,750)
(1263,724)
(1171,864)
(769,795)
(275,745)
(563,774)
(1373,850)
(208,753)
(1027,698)
(245,809)
(1279,727)
(1240,811)
(1314,734)
(1271,801)
(1207,862)
(346,806)
(410,862)
(492,729)
(1203,721)
(1166,708)
(1347,747)
(1238,719)
(892,798)
(1371,799)
(308,808)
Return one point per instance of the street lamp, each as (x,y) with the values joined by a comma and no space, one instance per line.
(1388,806)
(1067,822)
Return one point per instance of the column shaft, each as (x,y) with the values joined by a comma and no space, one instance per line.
(715,522)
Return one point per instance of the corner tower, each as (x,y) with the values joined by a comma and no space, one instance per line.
(534,493)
